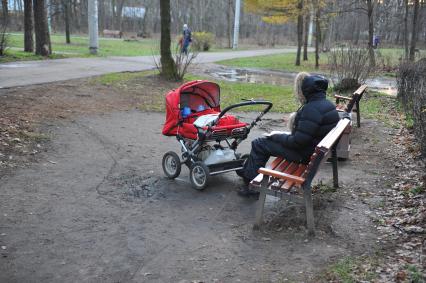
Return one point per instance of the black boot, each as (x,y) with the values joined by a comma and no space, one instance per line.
(245,191)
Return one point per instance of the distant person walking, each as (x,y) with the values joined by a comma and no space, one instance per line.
(186,39)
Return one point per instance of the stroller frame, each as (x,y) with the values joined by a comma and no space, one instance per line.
(199,171)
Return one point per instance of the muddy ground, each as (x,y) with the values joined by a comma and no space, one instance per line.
(88,202)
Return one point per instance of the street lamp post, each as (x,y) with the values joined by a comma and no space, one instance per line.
(93,26)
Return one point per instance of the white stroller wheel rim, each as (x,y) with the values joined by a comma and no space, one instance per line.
(171,165)
(199,176)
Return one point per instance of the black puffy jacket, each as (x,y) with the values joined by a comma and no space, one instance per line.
(313,120)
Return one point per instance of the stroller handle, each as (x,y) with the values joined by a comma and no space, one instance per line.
(246,103)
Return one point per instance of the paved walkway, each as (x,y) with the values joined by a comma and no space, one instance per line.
(37,72)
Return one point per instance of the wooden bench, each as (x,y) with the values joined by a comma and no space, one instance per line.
(349,104)
(281,176)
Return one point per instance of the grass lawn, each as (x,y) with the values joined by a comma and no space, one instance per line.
(280,62)
(385,58)
(374,105)
(13,55)
(232,93)
(107,46)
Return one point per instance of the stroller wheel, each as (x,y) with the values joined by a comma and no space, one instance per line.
(199,175)
(171,165)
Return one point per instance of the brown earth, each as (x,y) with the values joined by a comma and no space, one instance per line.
(83,198)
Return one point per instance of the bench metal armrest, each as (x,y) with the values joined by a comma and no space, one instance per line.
(282,176)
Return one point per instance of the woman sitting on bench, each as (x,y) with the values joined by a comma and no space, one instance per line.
(314,119)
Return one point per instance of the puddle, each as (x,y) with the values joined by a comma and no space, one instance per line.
(251,76)
(384,85)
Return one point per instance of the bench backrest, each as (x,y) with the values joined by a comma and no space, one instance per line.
(356,96)
(324,146)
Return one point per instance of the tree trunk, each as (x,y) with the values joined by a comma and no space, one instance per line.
(5,12)
(299,32)
(414,31)
(305,42)
(168,66)
(101,11)
(370,10)
(317,35)
(118,15)
(357,31)
(406,30)
(28,26)
(42,36)
(67,20)
(230,22)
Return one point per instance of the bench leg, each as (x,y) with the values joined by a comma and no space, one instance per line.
(334,163)
(307,195)
(358,115)
(261,203)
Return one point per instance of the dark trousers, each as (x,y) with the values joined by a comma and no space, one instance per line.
(261,150)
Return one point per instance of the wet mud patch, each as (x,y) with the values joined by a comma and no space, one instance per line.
(134,187)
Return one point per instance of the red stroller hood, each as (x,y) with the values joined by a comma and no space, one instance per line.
(194,94)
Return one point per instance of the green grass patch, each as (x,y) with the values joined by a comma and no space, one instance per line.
(233,92)
(382,107)
(34,136)
(119,79)
(280,62)
(351,270)
(415,274)
(107,46)
(12,55)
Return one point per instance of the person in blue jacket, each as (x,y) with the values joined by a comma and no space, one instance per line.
(314,119)
(186,38)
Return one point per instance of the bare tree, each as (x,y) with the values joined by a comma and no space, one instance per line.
(66,5)
(317,34)
(406,29)
(28,26)
(414,30)
(370,10)
(168,66)
(42,35)
(299,32)
(306,36)
(5,11)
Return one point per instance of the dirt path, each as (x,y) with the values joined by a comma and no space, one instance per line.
(95,207)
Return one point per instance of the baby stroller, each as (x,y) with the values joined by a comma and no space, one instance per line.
(208,136)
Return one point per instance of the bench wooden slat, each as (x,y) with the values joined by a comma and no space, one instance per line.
(342,97)
(283,166)
(299,171)
(274,164)
(340,107)
(331,138)
(281,175)
(361,89)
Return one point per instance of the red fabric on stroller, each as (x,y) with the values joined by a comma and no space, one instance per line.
(202,97)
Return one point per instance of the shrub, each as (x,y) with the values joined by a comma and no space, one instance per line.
(202,41)
(350,65)
(411,80)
